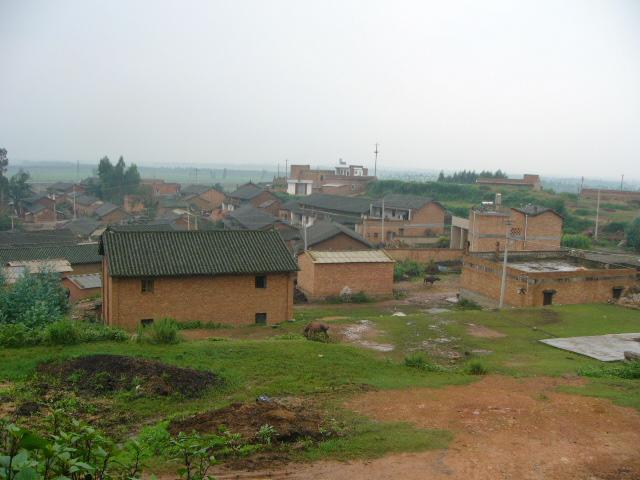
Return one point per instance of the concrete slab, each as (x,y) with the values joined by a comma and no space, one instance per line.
(607,348)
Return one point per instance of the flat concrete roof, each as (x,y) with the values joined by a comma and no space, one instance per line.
(547,266)
(607,348)
(358,256)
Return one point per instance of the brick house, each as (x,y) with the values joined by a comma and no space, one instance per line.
(83,258)
(530,227)
(329,273)
(405,216)
(543,278)
(108,214)
(206,197)
(325,235)
(342,180)
(159,187)
(86,205)
(252,194)
(347,211)
(231,277)
(83,286)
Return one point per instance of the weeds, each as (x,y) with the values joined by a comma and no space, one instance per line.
(627,370)
(477,368)
(466,304)
(163,332)
(417,360)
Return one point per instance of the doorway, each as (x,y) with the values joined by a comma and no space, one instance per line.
(547,297)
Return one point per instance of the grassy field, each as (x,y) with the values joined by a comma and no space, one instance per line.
(279,362)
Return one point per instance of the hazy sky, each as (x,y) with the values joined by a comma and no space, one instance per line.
(539,86)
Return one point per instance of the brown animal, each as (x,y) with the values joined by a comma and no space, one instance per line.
(430,280)
(315,329)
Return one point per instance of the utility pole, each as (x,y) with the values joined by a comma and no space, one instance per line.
(286,168)
(304,230)
(375,165)
(196,176)
(503,284)
(621,181)
(595,233)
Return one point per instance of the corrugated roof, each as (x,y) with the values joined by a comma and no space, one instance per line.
(215,252)
(89,280)
(75,254)
(359,256)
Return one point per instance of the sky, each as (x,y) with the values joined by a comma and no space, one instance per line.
(540,86)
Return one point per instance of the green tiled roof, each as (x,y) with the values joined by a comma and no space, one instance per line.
(164,254)
(75,254)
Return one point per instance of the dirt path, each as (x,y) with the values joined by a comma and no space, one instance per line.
(504,428)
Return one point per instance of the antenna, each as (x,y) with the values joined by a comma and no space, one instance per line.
(375,165)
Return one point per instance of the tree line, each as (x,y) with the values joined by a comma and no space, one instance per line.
(470,176)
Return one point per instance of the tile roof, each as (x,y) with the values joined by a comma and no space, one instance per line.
(252,218)
(404,201)
(323,230)
(246,191)
(105,209)
(86,199)
(215,252)
(60,186)
(75,254)
(39,237)
(82,226)
(336,203)
(172,202)
(358,256)
(533,210)
(196,189)
(89,280)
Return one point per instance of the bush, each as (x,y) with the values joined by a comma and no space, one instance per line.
(417,360)
(630,371)
(576,241)
(633,235)
(64,332)
(476,368)
(407,269)
(360,297)
(615,227)
(17,335)
(466,304)
(162,332)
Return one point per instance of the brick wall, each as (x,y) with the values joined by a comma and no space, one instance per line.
(81,269)
(259,199)
(213,197)
(228,299)
(425,255)
(536,232)
(114,217)
(320,280)
(76,293)
(427,221)
(525,289)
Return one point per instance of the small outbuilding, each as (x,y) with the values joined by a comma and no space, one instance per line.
(83,286)
(331,273)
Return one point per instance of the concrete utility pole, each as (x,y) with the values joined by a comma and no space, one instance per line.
(621,181)
(595,233)
(304,229)
(375,165)
(503,284)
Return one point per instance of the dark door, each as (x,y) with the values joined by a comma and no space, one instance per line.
(547,298)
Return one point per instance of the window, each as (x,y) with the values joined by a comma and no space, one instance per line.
(261,318)
(261,281)
(617,292)
(401,232)
(146,322)
(146,285)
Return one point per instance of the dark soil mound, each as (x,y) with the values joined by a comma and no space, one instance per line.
(290,422)
(100,374)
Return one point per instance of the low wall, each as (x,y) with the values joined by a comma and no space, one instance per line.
(425,255)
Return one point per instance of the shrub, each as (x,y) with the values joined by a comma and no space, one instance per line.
(267,433)
(615,227)
(407,269)
(633,235)
(576,241)
(476,368)
(466,304)
(360,297)
(629,370)
(17,335)
(97,332)
(164,331)
(63,332)
(417,360)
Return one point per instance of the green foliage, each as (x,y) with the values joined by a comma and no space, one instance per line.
(476,368)
(267,433)
(469,176)
(115,181)
(155,439)
(585,212)
(361,297)
(407,269)
(418,360)
(34,300)
(5,223)
(633,235)
(574,224)
(576,241)
(19,189)
(627,370)
(76,453)
(193,452)
(467,304)
(615,227)
(440,190)
(197,324)
(163,332)
(458,211)
(62,332)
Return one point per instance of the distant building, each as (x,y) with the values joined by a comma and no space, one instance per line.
(207,198)
(332,273)
(82,258)
(528,181)
(543,278)
(342,180)
(326,235)
(250,193)
(319,206)
(232,277)
(159,187)
(108,214)
(83,286)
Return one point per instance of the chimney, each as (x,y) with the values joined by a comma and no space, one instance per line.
(498,201)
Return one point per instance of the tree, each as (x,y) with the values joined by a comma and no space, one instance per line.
(633,235)
(19,189)
(115,181)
